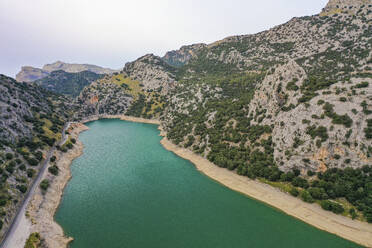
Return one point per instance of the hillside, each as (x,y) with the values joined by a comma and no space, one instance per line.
(67,83)
(31,121)
(290,106)
(31,74)
(293,100)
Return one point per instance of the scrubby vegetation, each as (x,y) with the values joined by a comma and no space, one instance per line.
(31,123)
(44,185)
(33,241)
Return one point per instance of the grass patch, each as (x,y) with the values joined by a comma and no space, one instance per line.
(130,86)
(49,133)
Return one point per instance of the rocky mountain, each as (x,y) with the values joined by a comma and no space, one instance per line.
(31,74)
(312,72)
(31,121)
(293,100)
(67,83)
(291,105)
(138,90)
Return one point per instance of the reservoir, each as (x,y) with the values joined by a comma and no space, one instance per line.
(127,191)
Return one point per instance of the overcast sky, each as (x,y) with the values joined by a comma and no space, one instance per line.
(110,33)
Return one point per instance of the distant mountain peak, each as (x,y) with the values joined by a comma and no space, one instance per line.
(30,74)
(67,67)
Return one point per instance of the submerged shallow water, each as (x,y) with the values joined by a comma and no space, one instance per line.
(128,191)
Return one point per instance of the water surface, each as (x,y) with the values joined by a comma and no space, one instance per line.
(127,191)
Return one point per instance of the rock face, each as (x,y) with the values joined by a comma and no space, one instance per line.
(152,72)
(178,58)
(292,122)
(31,74)
(103,97)
(139,89)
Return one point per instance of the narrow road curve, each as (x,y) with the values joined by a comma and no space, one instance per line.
(22,209)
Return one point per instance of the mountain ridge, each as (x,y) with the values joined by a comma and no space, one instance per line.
(290,106)
(30,74)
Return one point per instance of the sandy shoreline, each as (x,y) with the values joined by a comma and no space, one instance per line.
(356,231)
(122,117)
(42,210)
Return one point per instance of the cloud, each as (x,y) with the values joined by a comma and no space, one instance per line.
(112,32)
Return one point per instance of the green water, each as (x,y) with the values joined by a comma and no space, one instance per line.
(128,191)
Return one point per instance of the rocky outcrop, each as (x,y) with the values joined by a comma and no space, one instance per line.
(296,145)
(180,57)
(103,97)
(152,72)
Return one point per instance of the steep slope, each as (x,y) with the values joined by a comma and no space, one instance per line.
(291,105)
(68,83)
(285,104)
(31,122)
(31,74)
(138,90)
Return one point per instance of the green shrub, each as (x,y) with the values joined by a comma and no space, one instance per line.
(22,188)
(306,197)
(30,172)
(9,156)
(362,85)
(53,170)
(294,192)
(332,206)
(368,129)
(320,132)
(53,158)
(44,185)
(337,119)
(318,193)
(300,182)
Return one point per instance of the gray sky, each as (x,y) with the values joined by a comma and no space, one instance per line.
(112,32)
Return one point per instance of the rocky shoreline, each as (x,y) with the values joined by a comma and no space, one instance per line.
(43,207)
